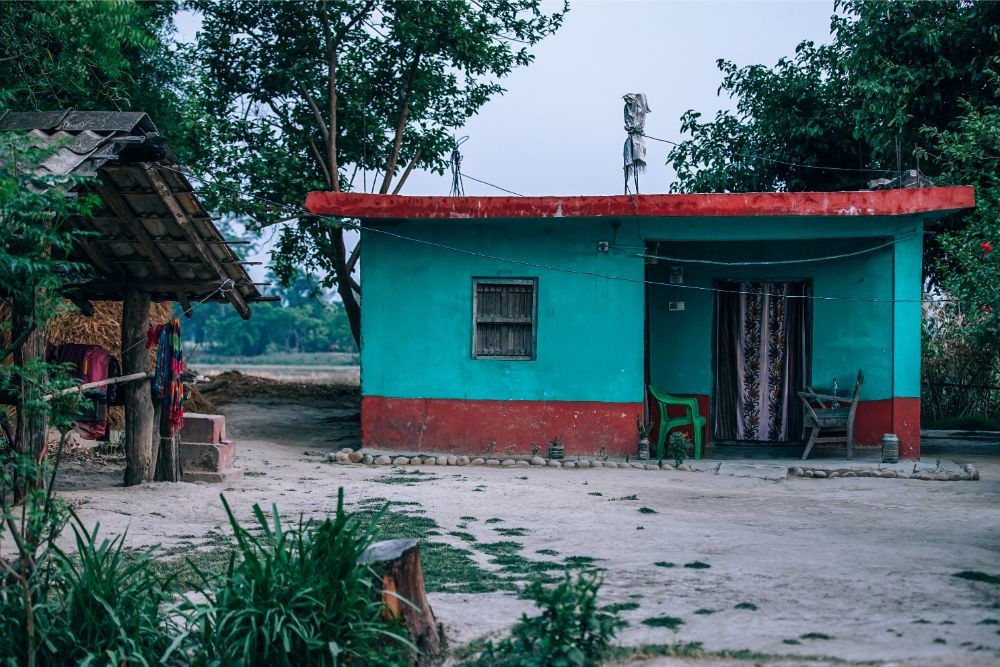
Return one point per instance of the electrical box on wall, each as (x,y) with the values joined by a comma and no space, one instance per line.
(677,275)
(603,246)
(675,306)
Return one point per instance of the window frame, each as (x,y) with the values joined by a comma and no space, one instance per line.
(476,282)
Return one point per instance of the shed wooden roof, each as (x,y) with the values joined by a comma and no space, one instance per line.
(151,231)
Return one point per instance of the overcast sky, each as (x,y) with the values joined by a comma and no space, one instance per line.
(558,128)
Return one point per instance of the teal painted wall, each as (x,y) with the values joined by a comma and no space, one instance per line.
(417,304)
(417,313)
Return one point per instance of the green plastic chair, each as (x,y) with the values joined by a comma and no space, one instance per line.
(690,418)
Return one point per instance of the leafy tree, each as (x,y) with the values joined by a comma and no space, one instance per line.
(307,319)
(98,55)
(300,92)
(902,81)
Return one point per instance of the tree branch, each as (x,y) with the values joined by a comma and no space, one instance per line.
(404,112)
(406,172)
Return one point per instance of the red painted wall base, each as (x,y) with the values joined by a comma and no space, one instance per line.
(469,426)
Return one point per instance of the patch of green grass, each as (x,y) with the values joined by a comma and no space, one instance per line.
(468,537)
(647,510)
(791,642)
(445,567)
(815,635)
(750,606)
(669,622)
(521,477)
(938,640)
(921,621)
(663,563)
(495,519)
(976,575)
(254,473)
(620,607)
(579,561)
(704,612)
(635,596)
(595,493)
(405,479)
(988,621)
(452,570)
(498,548)
(547,552)
(512,532)
(695,650)
(467,518)
(632,497)
(697,565)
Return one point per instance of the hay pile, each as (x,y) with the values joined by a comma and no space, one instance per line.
(103,328)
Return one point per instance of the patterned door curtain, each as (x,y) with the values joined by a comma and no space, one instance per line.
(762,360)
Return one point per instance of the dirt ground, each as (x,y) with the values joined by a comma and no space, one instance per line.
(855,569)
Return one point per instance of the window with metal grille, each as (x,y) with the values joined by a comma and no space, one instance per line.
(504,318)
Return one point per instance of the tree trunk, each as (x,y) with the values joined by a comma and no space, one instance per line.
(32,424)
(351,306)
(138,398)
(398,561)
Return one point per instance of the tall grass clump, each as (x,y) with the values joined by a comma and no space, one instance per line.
(572,631)
(297,596)
(109,607)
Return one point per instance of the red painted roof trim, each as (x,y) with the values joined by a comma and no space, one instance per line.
(860,203)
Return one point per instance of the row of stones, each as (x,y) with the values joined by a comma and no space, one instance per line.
(969,473)
(348,456)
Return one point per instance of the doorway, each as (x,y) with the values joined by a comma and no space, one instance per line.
(762,360)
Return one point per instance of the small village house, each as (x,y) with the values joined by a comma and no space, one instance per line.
(514,320)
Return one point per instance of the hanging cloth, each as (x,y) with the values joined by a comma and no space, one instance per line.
(762,361)
(167,384)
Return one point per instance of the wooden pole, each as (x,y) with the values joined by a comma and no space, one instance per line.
(138,401)
(398,561)
(168,468)
(121,379)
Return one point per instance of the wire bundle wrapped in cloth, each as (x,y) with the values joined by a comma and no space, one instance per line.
(167,383)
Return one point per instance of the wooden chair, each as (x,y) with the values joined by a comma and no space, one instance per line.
(691,418)
(830,413)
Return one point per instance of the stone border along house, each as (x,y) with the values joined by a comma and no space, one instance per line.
(515,320)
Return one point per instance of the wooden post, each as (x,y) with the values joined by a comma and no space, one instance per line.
(138,400)
(399,562)
(168,466)
(32,425)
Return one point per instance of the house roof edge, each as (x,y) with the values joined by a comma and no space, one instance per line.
(938,201)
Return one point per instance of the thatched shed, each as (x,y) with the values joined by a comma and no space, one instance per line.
(154,242)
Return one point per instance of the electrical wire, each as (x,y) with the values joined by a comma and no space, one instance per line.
(777,262)
(464,175)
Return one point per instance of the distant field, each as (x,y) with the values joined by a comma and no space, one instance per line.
(286,372)
(198,358)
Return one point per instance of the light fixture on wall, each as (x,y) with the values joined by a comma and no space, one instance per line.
(676,275)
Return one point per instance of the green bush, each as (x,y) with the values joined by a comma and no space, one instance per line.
(679,447)
(297,597)
(572,631)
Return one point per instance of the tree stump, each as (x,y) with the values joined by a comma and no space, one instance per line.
(399,563)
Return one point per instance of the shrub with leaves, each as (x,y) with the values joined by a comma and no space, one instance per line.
(572,631)
(108,606)
(679,447)
(297,596)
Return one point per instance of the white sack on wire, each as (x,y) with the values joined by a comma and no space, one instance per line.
(636,109)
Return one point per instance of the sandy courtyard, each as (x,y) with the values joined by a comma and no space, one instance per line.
(858,569)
